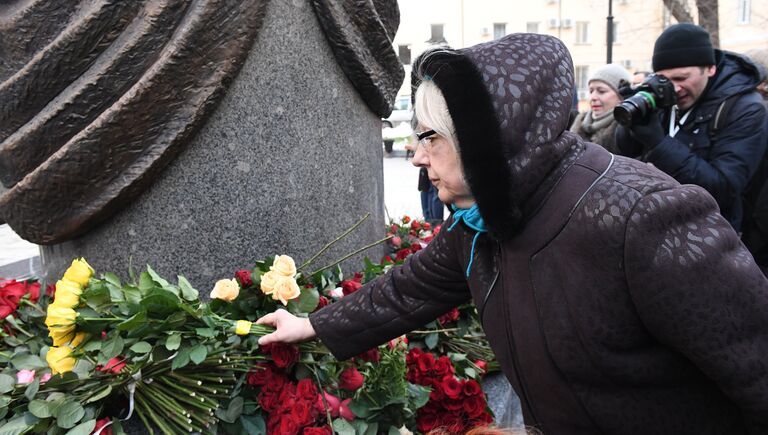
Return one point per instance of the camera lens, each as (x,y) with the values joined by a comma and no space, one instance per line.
(633,109)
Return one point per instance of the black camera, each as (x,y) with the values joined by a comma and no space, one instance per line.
(656,92)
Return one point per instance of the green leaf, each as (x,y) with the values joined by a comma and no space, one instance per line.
(133,322)
(431,340)
(100,395)
(112,347)
(470,372)
(4,401)
(84,428)
(6,383)
(198,353)
(205,332)
(253,424)
(342,427)
(32,389)
(181,359)
(27,361)
(97,297)
(372,429)
(418,396)
(160,302)
(157,278)
(360,407)
(141,347)
(14,426)
(232,413)
(60,380)
(393,431)
(187,291)
(146,283)
(92,346)
(308,299)
(68,414)
(173,341)
(132,294)
(112,279)
(40,408)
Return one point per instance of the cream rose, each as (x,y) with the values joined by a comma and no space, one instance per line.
(226,290)
(286,289)
(284,265)
(268,281)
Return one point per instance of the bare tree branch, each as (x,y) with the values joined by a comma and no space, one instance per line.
(709,19)
(679,10)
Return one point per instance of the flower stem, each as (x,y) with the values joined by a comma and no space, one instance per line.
(334,241)
(352,254)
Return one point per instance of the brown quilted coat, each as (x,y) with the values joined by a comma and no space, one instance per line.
(616,300)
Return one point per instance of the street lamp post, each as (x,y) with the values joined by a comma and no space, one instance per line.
(609,32)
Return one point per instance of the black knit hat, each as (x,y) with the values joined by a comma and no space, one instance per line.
(683,44)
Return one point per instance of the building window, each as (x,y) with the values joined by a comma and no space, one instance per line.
(745,10)
(404,53)
(532,27)
(499,30)
(582,32)
(581,74)
(437,35)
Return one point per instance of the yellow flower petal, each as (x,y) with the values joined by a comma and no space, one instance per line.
(79,272)
(242,327)
(226,289)
(268,281)
(79,338)
(60,359)
(286,289)
(284,265)
(67,294)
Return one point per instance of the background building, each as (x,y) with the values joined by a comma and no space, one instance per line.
(581,24)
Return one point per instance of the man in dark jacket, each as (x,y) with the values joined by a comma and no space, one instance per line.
(680,140)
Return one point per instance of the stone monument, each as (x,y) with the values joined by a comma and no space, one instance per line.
(196,136)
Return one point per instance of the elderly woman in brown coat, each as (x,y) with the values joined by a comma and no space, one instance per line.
(616,300)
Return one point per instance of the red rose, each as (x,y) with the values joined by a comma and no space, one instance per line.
(288,426)
(415,225)
(114,366)
(303,413)
(5,310)
(444,367)
(370,355)
(50,290)
(426,361)
(482,366)
(393,228)
(427,239)
(483,420)
(452,422)
(323,301)
(282,354)
(260,375)
(437,229)
(450,316)
(102,423)
(472,388)
(244,276)
(396,241)
(426,226)
(331,401)
(415,247)
(402,254)
(349,286)
(437,395)
(269,400)
(350,379)
(344,410)
(358,276)
(387,259)
(322,430)
(426,422)
(306,389)
(452,387)
(406,219)
(474,406)
(452,405)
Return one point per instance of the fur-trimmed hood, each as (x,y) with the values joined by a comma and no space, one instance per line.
(509,100)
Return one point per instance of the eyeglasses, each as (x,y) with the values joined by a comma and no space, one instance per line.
(425,139)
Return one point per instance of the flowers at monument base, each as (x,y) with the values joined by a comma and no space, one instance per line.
(186,365)
(13,293)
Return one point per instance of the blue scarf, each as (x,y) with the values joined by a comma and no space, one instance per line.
(472,219)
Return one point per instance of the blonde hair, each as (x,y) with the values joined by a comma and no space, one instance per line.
(431,110)
(488,430)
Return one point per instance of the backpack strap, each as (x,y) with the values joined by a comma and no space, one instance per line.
(721,114)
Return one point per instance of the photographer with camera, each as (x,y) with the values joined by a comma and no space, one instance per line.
(698,118)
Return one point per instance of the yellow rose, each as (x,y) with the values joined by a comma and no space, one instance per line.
(60,317)
(226,290)
(242,327)
(284,265)
(268,281)
(79,338)
(67,294)
(61,336)
(79,272)
(60,359)
(286,289)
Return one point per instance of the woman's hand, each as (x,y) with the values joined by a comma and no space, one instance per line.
(289,328)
